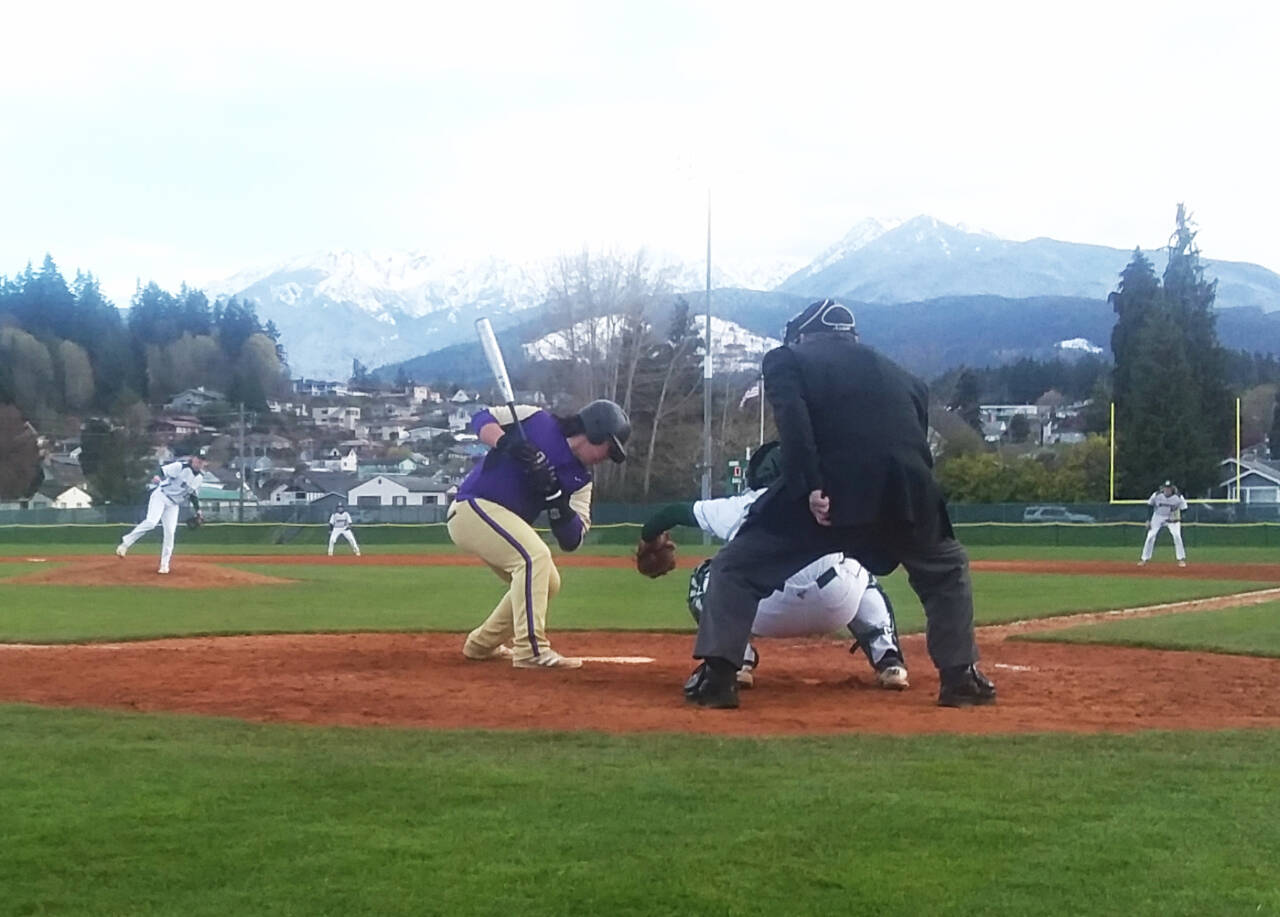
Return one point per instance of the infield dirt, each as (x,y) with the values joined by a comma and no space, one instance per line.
(803,686)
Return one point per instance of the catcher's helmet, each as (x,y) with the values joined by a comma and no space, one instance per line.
(827,315)
(604,421)
(765,466)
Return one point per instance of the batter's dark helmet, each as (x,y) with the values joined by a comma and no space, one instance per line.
(827,315)
(765,466)
(604,421)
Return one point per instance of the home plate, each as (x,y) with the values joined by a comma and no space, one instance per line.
(619,660)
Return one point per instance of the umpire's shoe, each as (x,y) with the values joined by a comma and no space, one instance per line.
(965,686)
(713,686)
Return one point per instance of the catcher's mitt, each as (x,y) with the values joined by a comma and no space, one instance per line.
(195,520)
(656,557)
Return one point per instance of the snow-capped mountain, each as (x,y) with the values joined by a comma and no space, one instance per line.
(734,347)
(1079,345)
(923,258)
(386,307)
(380,307)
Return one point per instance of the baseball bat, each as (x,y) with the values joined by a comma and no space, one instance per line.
(498,366)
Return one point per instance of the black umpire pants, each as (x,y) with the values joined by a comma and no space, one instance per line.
(770,548)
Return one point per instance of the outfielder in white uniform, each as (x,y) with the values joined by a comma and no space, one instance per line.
(178,482)
(340,524)
(831,594)
(1167,505)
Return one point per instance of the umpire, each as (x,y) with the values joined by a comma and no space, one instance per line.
(858,478)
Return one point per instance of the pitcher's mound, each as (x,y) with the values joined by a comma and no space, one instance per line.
(141,571)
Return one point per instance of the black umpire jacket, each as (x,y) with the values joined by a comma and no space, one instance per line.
(854,425)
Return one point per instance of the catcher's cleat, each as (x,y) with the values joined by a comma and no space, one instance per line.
(712,688)
(892,674)
(745,677)
(548,659)
(121,550)
(484,654)
(965,686)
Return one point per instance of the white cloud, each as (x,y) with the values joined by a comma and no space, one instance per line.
(248,132)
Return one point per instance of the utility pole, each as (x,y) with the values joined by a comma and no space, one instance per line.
(707,374)
(240,489)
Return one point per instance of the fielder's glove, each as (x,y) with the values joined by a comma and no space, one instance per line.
(195,520)
(656,557)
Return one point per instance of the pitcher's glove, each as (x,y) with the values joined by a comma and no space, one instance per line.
(656,557)
(195,520)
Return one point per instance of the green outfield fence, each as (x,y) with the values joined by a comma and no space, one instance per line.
(1117,534)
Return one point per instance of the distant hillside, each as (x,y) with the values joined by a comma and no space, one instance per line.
(926,337)
(924,259)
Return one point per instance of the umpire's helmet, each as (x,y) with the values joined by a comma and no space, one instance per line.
(765,466)
(602,421)
(827,315)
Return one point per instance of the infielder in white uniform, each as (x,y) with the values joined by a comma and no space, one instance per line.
(831,594)
(340,524)
(178,482)
(1168,506)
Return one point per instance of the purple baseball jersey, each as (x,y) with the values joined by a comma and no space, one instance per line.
(504,481)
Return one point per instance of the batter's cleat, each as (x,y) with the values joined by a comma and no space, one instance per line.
(1182,563)
(891,674)
(746,677)
(965,686)
(484,654)
(163,571)
(547,659)
(1142,563)
(121,551)
(707,687)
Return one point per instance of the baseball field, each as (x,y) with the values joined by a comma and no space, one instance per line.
(270,731)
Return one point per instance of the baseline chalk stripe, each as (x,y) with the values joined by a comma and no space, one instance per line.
(619,660)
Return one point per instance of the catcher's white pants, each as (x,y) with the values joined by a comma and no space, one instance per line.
(345,533)
(1175,529)
(803,611)
(160,511)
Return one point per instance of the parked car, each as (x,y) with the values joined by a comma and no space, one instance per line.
(1054,514)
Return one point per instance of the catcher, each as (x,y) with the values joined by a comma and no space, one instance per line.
(832,593)
(177,482)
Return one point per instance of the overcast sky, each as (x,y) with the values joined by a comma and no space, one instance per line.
(174,141)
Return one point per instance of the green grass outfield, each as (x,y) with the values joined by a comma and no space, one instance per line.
(105,813)
(1252,631)
(108,814)
(388,598)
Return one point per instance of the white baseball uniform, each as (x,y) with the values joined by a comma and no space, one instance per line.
(1167,512)
(830,594)
(340,524)
(176,484)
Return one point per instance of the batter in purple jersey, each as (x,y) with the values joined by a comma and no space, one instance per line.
(545,470)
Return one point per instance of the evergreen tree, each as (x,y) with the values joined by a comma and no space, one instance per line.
(1190,298)
(1273,438)
(115,461)
(1166,437)
(1133,300)
(967,401)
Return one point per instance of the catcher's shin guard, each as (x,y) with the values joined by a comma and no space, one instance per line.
(698,588)
(883,636)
